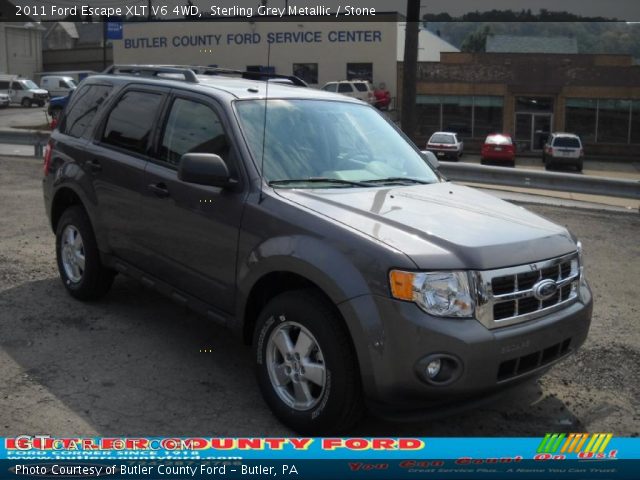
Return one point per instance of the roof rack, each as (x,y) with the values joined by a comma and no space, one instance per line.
(201,70)
(152,71)
(190,72)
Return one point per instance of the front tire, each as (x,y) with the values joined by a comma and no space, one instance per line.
(81,270)
(306,367)
(26,102)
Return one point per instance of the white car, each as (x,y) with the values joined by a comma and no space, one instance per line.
(360,89)
(445,145)
(4,100)
(563,149)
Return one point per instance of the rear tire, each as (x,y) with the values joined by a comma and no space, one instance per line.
(306,367)
(81,270)
(579,167)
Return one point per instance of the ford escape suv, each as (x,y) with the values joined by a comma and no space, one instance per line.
(317,232)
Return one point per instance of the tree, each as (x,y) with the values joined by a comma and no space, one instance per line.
(476,41)
(410,68)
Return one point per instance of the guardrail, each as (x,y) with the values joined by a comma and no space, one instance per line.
(462,172)
(565,182)
(36,138)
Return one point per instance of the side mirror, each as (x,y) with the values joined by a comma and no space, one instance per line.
(431,159)
(204,169)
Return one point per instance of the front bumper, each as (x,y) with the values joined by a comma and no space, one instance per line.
(392,337)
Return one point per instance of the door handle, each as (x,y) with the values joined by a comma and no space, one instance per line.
(93,166)
(160,189)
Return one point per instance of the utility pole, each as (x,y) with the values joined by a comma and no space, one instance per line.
(410,69)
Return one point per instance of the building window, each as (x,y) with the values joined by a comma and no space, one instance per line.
(613,121)
(467,116)
(307,72)
(534,104)
(457,115)
(487,116)
(360,71)
(581,117)
(604,120)
(635,122)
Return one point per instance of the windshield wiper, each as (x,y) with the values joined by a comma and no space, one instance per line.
(337,181)
(398,179)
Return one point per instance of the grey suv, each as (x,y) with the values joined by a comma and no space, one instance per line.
(311,227)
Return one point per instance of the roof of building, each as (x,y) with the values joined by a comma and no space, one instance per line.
(430,45)
(524,44)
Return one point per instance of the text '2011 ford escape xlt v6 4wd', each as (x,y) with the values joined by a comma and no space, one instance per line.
(313,228)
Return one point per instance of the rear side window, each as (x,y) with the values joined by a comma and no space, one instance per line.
(331,87)
(361,87)
(192,127)
(83,108)
(566,142)
(130,122)
(4,85)
(345,88)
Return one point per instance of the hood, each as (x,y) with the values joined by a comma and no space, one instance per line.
(442,225)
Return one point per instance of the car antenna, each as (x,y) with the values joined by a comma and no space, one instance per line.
(264,124)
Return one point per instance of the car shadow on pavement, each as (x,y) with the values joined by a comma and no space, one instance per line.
(136,363)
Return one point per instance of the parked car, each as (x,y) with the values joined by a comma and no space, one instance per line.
(563,149)
(382,97)
(57,104)
(445,145)
(323,238)
(57,85)
(498,147)
(22,91)
(5,101)
(360,89)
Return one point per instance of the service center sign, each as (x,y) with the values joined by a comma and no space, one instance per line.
(215,40)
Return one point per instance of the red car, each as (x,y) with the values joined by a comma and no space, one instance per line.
(498,147)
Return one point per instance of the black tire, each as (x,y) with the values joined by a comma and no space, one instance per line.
(95,280)
(339,404)
(41,104)
(579,167)
(26,102)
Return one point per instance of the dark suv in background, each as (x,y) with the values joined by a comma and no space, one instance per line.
(311,227)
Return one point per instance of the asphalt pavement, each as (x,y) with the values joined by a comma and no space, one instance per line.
(132,363)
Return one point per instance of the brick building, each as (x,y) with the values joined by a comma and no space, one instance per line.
(531,94)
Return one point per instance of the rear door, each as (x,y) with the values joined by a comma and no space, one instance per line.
(191,231)
(116,161)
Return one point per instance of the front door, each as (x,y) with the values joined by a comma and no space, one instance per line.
(191,231)
(532,130)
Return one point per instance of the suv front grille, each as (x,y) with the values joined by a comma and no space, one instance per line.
(517,294)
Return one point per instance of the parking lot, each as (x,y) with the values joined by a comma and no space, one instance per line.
(132,363)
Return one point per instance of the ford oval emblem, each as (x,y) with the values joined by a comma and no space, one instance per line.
(545,289)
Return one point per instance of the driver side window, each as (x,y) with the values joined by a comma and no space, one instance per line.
(192,127)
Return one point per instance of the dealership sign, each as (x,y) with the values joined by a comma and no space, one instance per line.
(214,40)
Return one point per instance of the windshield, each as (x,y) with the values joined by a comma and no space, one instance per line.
(317,139)
(29,84)
(71,84)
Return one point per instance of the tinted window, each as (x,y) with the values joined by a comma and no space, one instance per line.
(84,105)
(16,86)
(345,88)
(330,87)
(4,85)
(439,138)
(566,142)
(192,128)
(361,87)
(129,123)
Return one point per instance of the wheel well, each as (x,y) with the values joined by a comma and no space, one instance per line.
(270,286)
(64,198)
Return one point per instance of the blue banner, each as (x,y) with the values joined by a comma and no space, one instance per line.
(115,29)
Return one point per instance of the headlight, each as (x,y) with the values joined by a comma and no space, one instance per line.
(443,294)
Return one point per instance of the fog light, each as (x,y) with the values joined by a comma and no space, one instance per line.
(433,368)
